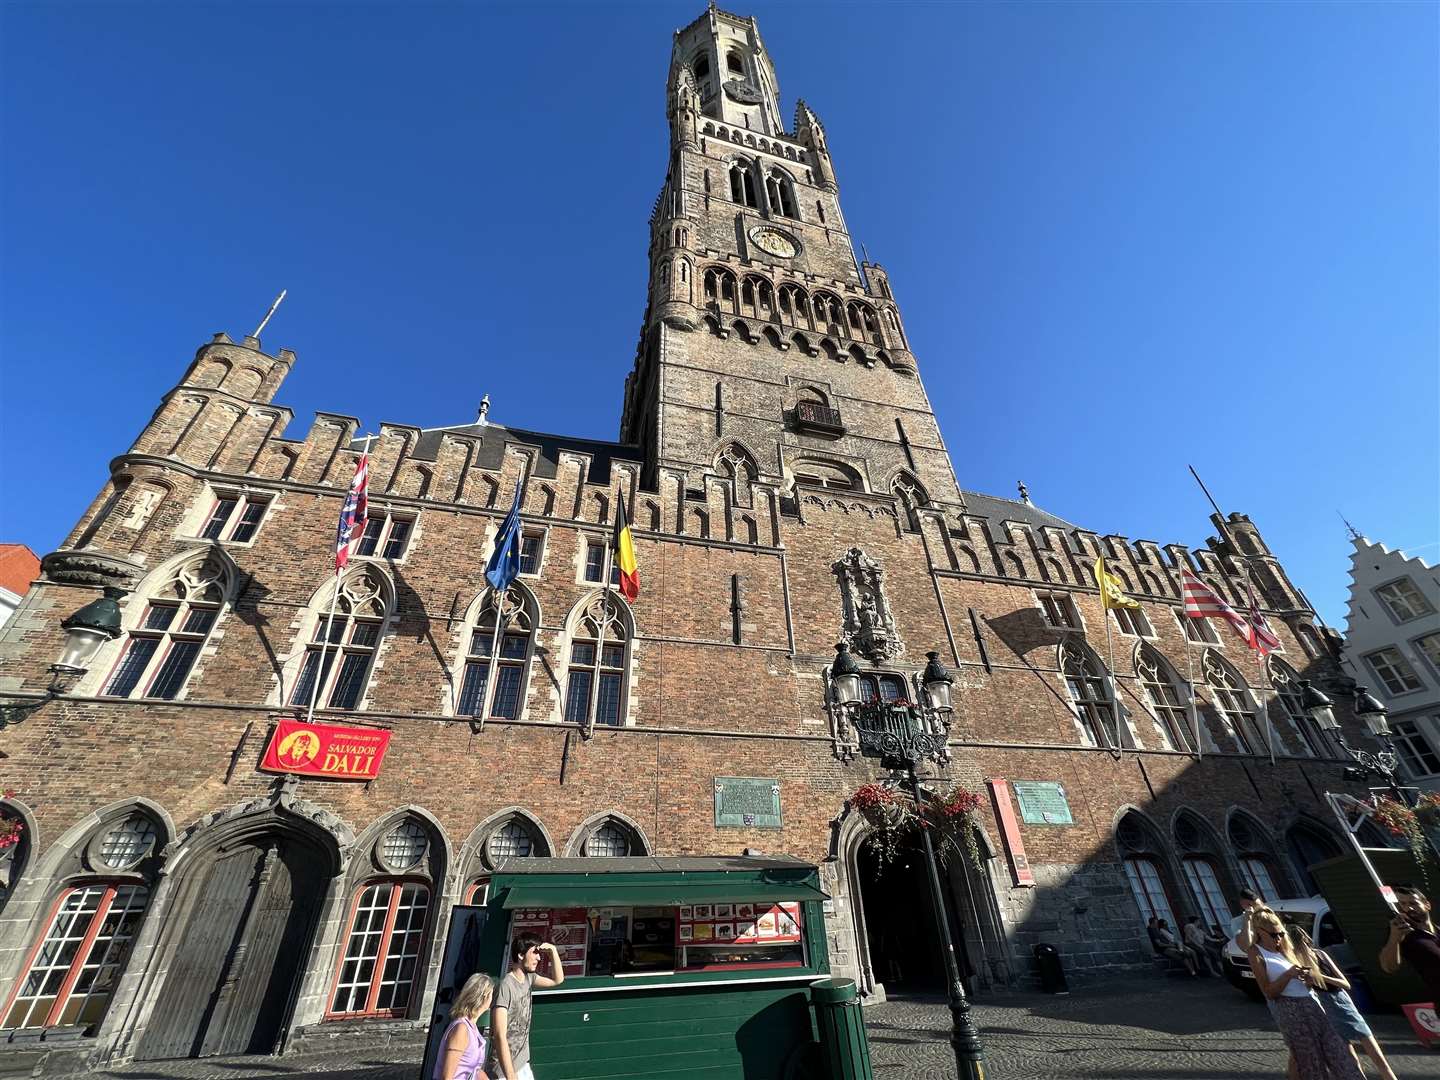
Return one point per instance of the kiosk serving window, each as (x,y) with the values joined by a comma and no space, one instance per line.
(637,940)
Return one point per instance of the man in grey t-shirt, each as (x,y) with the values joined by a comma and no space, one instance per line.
(511,1011)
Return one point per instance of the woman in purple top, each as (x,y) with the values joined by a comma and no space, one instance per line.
(463,1051)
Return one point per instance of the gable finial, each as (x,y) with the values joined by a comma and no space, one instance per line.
(1354,533)
(484,415)
(1024,492)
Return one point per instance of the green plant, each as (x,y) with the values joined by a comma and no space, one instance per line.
(895,820)
(1409,824)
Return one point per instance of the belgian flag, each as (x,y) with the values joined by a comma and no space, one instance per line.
(622,547)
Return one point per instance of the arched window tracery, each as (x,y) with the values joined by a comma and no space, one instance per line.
(1090,693)
(171,628)
(780,192)
(742,183)
(1166,699)
(1233,703)
(515,632)
(597,671)
(341,651)
(720,289)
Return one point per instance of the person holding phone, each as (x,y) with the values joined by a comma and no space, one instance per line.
(1412,939)
(1317,1051)
(514,1002)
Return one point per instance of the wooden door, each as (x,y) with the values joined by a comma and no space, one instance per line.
(230,980)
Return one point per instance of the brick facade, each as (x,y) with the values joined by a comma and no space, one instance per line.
(738,528)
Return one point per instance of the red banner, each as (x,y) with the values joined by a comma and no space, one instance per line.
(336,753)
(1010,832)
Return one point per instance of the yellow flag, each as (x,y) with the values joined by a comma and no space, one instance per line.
(1111,593)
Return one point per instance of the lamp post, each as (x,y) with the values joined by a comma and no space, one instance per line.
(1320,709)
(85,631)
(903,736)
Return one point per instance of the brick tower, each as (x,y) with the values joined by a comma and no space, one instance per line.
(767,347)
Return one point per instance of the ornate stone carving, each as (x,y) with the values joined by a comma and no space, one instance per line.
(70,567)
(868,626)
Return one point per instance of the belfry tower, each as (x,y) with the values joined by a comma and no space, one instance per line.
(767,349)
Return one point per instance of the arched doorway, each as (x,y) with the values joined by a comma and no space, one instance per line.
(246,914)
(904,949)
(1310,844)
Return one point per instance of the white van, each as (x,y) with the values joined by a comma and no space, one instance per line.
(1312,915)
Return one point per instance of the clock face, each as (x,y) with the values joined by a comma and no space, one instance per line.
(775,242)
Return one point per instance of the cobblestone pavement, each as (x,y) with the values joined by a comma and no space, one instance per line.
(1172,1030)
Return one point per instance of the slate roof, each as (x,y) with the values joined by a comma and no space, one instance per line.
(995,510)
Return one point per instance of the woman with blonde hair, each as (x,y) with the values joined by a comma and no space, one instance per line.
(1316,1049)
(463,1051)
(1332,988)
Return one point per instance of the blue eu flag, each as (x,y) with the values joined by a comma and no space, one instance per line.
(504,564)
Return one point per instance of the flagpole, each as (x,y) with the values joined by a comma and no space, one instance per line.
(1250,616)
(324,644)
(497,597)
(320,671)
(588,728)
(1194,712)
(487,698)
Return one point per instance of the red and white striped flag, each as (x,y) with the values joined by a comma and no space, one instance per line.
(353,513)
(1202,601)
(1260,637)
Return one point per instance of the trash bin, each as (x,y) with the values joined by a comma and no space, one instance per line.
(1052,973)
(844,1047)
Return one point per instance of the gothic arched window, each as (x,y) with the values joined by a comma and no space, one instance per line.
(1090,692)
(1233,703)
(348,642)
(170,630)
(863,326)
(599,663)
(720,288)
(701,67)
(1289,706)
(781,193)
(1163,693)
(516,631)
(382,971)
(1145,858)
(77,962)
(828,316)
(734,63)
(742,183)
(794,306)
(911,497)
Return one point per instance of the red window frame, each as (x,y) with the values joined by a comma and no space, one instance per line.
(382,953)
(81,958)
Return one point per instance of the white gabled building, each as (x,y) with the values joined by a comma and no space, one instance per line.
(1392,645)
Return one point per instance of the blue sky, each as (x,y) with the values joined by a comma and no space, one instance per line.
(1125,238)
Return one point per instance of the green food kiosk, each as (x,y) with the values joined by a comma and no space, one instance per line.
(674,967)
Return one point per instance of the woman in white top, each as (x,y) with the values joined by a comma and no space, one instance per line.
(1316,1049)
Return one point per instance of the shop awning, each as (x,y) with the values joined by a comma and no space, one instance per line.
(605,891)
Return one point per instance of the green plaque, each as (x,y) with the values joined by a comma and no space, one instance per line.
(1042,802)
(747,802)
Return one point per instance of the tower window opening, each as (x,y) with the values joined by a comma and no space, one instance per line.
(734,63)
(820,211)
(781,195)
(701,67)
(742,184)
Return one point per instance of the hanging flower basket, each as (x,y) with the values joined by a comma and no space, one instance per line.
(894,819)
(11,829)
(1409,824)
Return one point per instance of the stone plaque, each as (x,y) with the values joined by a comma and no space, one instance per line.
(747,802)
(1042,802)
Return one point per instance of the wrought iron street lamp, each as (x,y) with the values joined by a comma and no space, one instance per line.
(85,632)
(903,736)
(1320,709)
